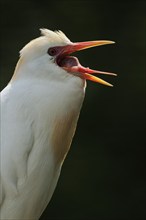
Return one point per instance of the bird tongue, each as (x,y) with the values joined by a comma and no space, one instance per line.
(72,64)
(68,62)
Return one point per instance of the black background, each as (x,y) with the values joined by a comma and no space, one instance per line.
(103,176)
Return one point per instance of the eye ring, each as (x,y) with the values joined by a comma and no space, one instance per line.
(52,51)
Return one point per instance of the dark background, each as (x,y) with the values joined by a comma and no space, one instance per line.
(103,176)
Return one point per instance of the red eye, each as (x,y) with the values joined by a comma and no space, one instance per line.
(52,51)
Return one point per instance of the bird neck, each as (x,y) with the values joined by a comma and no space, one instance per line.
(50,99)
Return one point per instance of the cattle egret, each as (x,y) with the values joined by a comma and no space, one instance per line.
(39,113)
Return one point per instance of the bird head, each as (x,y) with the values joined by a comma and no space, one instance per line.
(52,51)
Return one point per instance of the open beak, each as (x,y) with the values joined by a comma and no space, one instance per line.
(83,72)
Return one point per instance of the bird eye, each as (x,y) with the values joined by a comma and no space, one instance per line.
(52,51)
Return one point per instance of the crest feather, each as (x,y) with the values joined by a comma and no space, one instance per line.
(55,34)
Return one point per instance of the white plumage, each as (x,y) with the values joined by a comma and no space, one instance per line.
(39,112)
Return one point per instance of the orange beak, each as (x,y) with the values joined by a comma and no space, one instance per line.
(81,71)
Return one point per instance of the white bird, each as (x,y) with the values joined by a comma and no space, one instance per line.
(39,113)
